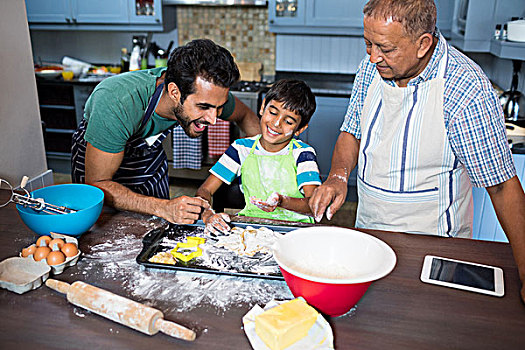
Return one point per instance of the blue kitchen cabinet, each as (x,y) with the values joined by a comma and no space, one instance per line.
(50,11)
(100,11)
(474,23)
(336,17)
(472,26)
(485,225)
(335,13)
(445,13)
(149,14)
(323,129)
(120,15)
(77,11)
(286,13)
(322,134)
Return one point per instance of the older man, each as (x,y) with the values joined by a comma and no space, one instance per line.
(117,146)
(423,124)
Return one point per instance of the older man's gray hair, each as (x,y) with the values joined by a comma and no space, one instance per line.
(417,16)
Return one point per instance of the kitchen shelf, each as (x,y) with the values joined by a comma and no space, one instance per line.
(60,131)
(60,162)
(61,109)
(61,155)
(58,107)
(508,49)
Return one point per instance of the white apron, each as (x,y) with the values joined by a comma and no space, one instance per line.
(409,180)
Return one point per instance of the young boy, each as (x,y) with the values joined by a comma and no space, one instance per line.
(277,172)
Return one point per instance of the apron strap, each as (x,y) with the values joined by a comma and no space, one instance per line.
(443,64)
(294,141)
(255,144)
(153,102)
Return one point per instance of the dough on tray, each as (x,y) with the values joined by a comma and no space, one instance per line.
(248,241)
(163,258)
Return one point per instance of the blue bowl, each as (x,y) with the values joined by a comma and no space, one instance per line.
(86,199)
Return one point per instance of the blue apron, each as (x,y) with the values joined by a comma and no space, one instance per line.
(144,168)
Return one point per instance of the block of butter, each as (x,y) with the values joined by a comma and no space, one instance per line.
(283,325)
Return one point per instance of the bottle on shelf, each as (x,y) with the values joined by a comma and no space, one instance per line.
(504,32)
(497,32)
(135,60)
(124,60)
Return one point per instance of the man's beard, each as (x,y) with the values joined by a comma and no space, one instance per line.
(185,122)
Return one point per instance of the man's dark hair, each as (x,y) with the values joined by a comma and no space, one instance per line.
(204,58)
(295,96)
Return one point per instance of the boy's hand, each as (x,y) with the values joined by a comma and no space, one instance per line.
(269,205)
(216,224)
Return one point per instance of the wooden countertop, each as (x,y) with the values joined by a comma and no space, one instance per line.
(397,312)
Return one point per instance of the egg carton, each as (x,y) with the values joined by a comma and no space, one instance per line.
(70,261)
(21,275)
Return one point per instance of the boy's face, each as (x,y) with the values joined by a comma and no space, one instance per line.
(278,126)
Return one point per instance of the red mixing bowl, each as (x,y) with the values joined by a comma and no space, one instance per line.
(332,267)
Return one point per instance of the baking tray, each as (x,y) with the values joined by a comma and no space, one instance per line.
(165,238)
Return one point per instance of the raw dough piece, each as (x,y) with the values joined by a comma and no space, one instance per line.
(163,258)
(248,241)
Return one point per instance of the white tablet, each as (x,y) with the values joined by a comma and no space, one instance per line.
(463,275)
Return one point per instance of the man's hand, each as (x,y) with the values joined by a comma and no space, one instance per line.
(329,197)
(182,210)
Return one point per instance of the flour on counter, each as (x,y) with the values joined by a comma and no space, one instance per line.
(182,291)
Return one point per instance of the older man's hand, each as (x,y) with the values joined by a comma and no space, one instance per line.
(329,197)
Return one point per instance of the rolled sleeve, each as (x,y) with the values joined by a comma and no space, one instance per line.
(307,168)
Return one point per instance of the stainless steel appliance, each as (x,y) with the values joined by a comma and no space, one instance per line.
(513,101)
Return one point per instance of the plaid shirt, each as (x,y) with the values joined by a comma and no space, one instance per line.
(473,115)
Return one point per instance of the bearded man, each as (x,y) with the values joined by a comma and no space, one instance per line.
(118,145)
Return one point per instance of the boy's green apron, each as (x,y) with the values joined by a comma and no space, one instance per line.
(263,175)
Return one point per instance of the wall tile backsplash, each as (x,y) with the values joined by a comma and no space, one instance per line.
(242,30)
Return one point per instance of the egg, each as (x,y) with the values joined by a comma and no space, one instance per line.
(45,239)
(69,249)
(41,253)
(29,250)
(55,258)
(56,241)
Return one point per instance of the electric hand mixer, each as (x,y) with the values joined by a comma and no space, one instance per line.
(37,204)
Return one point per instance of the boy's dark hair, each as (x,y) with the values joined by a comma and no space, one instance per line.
(204,58)
(295,96)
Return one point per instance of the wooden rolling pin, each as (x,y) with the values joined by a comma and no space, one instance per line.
(119,309)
